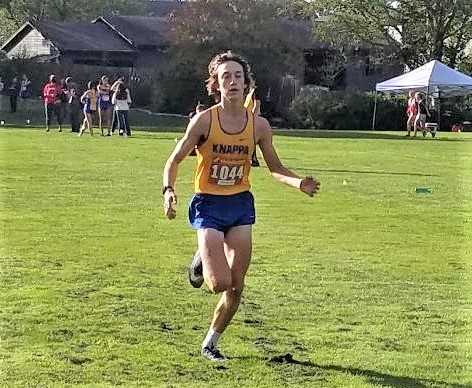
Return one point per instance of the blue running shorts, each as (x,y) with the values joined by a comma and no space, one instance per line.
(104,103)
(221,212)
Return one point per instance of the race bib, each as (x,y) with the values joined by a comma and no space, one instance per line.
(226,173)
(105,97)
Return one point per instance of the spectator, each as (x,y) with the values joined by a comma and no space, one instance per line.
(411,112)
(423,112)
(89,100)
(14,91)
(104,105)
(122,99)
(75,106)
(25,88)
(63,97)
(52,102)
(113,89)
(2,88)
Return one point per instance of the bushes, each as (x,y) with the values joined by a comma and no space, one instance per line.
(323,109)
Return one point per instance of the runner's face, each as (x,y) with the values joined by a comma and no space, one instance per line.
(231,80)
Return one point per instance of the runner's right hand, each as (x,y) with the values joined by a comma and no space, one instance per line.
(170,201)
(310,186)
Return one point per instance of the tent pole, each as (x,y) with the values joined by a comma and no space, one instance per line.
(439,110)
(375,112)
(427,95)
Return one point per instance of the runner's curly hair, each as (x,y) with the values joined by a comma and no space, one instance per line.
(212,81)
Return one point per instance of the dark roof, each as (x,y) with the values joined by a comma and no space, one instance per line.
(141,30)
(163,8)
(17,37)
(81,36)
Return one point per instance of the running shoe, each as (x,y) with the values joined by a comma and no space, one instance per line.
(195,271)
(212,354)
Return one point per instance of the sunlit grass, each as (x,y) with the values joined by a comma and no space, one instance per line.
(367,285)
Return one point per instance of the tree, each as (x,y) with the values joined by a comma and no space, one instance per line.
(415,31)
(252,28)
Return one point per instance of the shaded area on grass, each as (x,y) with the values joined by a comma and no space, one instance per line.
(400,135)
(366,172)
(374,377)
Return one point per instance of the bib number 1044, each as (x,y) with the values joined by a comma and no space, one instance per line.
(226,175)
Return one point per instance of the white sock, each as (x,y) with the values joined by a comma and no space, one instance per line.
(211,339)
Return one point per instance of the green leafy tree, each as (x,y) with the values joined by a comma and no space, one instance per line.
(252,28)
(415,31)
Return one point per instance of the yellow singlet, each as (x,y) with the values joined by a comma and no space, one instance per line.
(224,159)
(249,102)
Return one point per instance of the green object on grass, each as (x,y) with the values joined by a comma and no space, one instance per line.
(423,190)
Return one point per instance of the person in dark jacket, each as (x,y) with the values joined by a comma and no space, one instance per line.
(14,91)
(75,107)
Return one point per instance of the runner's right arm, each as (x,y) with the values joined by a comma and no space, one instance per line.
(196,130)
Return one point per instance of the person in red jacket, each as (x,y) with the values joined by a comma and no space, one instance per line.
(52,102)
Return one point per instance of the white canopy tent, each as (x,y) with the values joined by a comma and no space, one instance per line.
(433,78)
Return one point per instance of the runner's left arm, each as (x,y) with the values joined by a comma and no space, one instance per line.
(307,185)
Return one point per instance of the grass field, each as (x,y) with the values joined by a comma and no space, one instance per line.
(367,285)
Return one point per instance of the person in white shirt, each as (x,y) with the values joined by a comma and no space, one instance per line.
(121,100)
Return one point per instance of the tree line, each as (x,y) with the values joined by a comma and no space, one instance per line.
(411,32)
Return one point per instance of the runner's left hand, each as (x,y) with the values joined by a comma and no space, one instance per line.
(309,186)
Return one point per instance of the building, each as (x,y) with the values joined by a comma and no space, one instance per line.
(141,41)
(123,41)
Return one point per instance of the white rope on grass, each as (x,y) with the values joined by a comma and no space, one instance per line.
(159,114)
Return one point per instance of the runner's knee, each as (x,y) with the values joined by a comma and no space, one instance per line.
(236,291)
(218,284)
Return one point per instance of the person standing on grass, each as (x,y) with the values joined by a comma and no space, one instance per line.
(25,88)
(75,107)
(104,105)
(89,101)
(2,90)
(423,113)
(411,112)
(14,91)
(121,100)
(113,89)
(52,102)
(222,209)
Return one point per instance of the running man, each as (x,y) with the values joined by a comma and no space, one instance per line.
(222,209)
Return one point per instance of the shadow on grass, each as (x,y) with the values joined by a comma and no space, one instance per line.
(374,377)
(313,171)
(363,135)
